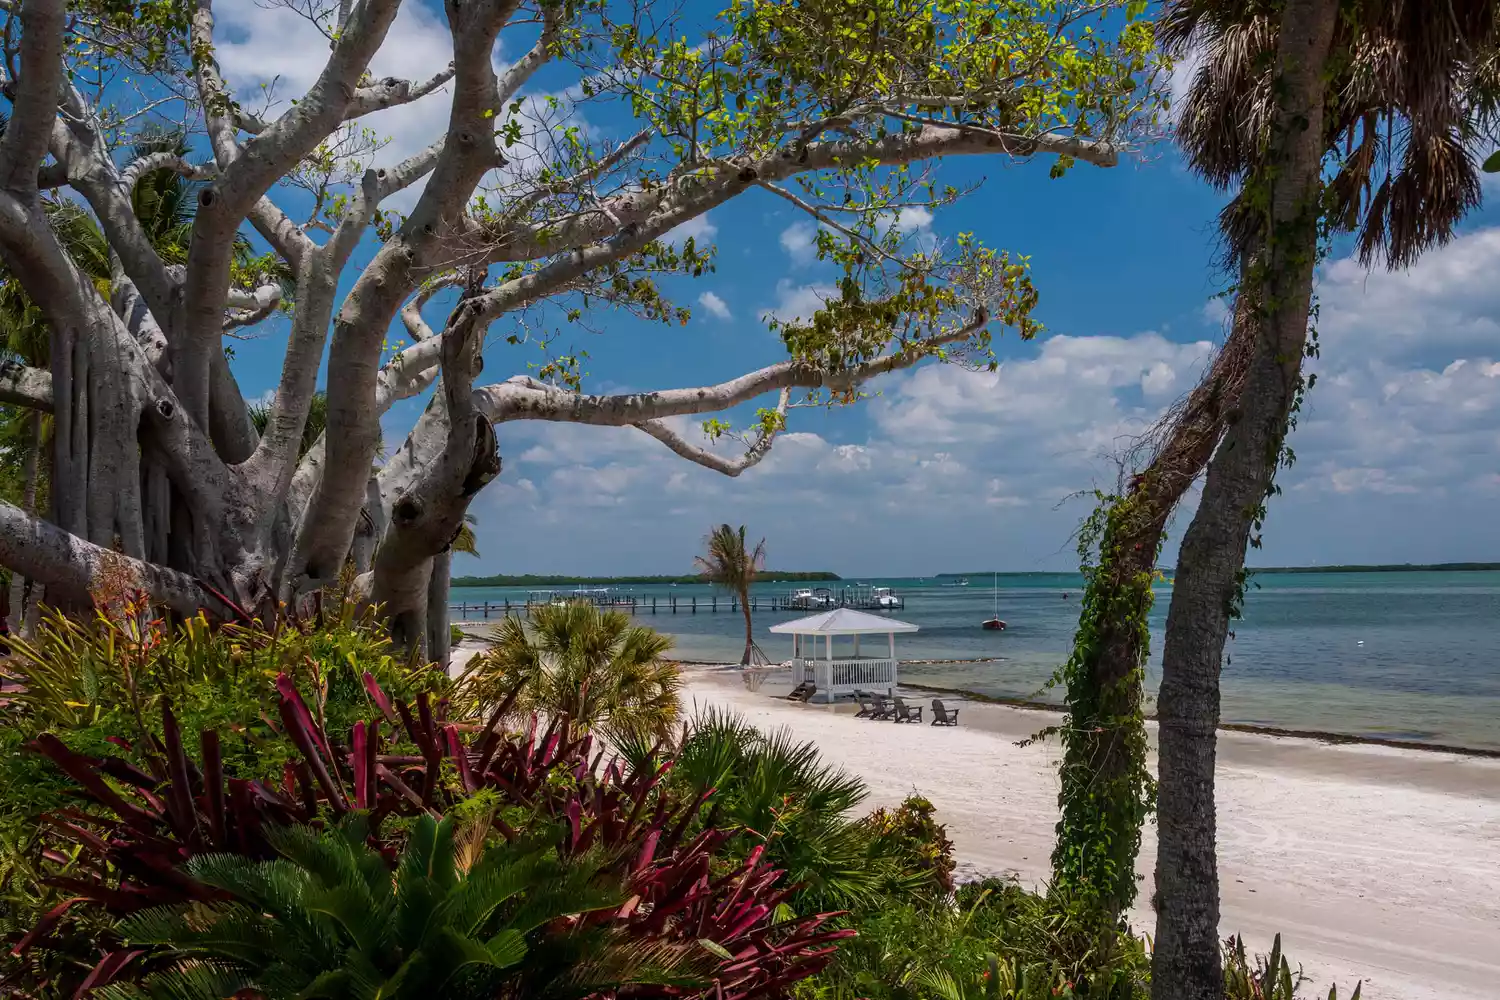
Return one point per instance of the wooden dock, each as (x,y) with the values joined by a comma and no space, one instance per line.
(672,604)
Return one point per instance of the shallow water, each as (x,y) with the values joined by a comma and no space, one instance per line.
(1397,655)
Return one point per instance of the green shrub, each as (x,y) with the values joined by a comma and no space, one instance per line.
(799,810)
(1269,977)
(992,939)
(493,865)
(911,835)
(97,683)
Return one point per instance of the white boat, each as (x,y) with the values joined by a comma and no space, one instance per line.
(885,597)
(801,598)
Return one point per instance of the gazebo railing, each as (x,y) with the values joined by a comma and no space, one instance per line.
(844,675)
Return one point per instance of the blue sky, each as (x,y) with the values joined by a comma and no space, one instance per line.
(952,470)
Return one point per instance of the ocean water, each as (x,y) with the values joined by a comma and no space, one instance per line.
(1410,656)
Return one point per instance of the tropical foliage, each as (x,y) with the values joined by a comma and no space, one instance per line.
(798,810)
(732,563)
(515,857)
(576,660)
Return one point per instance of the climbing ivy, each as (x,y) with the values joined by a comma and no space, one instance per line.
(1106,789)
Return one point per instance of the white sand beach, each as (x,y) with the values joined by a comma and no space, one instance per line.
(1373,863)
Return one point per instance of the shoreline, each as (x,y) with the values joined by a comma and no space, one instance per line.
(1375,862)
(1255,729)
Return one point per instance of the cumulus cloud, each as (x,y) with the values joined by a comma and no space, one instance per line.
(698,228)
(945,465)
(271,56)
(799,240)
(715,305)
(270,51)
(797,303)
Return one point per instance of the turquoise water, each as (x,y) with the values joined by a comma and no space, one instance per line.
(1397,655)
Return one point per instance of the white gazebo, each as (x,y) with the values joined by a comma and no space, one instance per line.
(835,676)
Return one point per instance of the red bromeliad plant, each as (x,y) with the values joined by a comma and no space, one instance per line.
(145,821)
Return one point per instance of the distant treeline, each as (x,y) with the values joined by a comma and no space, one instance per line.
(1459,567)
(532,580)
(1387,568)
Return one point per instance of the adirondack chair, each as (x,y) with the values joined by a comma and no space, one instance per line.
(880,708)
(907,713)
(802,691)
(941,716)
(865,708)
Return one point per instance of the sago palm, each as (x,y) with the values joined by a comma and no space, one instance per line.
(731,563)
(577,660)
(457,918)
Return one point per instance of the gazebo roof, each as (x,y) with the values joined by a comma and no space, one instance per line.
(842,621)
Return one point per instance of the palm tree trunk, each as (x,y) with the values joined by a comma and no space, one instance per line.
(1186,960)
(28,503)
(749,631)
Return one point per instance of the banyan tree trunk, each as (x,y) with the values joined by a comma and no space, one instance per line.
(30,471)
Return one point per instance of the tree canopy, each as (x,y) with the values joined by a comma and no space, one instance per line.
(837,108)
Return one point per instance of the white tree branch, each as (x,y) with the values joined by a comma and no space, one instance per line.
(152,162)
(72,567)
(691,194)
(34,107)
(519,72)
(525,398)
(759,447)
(24,386)
(411,313)
(392,92)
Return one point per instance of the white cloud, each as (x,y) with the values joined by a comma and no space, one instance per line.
(913,218)
(1215,311)
(1448,301)
(715,305)
(264,46)
(1398,447)
(799,240)
(797,303)
(266,49)
(699,228)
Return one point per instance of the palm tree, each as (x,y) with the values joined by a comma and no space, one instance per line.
(577,660)
(1400,95)
(731,564)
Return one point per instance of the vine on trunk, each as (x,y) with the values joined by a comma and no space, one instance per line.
(1107,790)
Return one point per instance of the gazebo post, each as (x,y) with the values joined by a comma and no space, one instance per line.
(828,668)
(891,689)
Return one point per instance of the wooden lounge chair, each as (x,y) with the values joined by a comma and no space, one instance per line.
(941,716)
(880,708)
(802,691)
(865,708)
(907,713)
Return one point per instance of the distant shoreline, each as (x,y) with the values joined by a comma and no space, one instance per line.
(535,580)
(1458,567)
(823,576)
